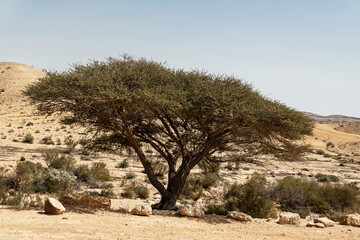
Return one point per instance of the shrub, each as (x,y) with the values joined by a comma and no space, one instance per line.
(252,198)
(83,172)
(195,184)
(209,167)
(326,178)
(320,152)
(135,190)
(28,176)
(28,138)
(218,209)
(2,90)
(47,140)
(330,144)
(123,164)
(57,180)
(70,144)
(130,175)
(54,160)
(84,141)
(58,141)
(159,168)
(99,171)
(85,152)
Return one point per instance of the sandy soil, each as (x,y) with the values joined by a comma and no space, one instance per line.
(33,224)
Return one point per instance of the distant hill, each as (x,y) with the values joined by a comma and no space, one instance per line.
(332,118)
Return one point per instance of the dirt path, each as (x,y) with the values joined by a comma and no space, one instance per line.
(33,224)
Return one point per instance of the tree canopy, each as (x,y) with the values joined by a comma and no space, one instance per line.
(184,116)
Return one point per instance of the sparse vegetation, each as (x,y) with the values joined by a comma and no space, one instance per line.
(326,178)
(100,172)
(54,159)
(320,152)
(123,164)
(48,140)
(28,138)
(135,190)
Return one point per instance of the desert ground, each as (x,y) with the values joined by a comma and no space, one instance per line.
(18,118)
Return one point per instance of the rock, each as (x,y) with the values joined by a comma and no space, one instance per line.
(53,206)
(142,210)
(326,221)
(317,225)
(240,216)
(351,219)
(289,218)
(85,201)
(191,211)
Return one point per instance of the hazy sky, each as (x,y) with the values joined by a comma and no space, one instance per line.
(303,53)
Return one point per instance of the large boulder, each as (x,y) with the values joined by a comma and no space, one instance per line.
(289,218)
(142,210)
(240,216)
(53,206)
(326,221)
(85,201)
(351,219)
(191,211)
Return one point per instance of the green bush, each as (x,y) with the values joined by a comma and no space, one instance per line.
(48,140)
(28,138)
(320,152)
(29,176)
(197,182)
(57,180)
(70,144)
(252,198)
(123,164)
(135,190)
(218,209)
(302,197)
(326,178)
(330,144)
(99,171)
(83,172)
(59,161)
(209,167)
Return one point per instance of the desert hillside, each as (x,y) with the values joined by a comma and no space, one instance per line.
(340,156)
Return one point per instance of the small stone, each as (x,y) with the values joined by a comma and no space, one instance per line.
(142,210)
(53,206)
(317,225)
(240,216)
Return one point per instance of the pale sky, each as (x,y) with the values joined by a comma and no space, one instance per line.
(305,54)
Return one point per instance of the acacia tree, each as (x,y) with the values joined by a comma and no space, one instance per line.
(184,116)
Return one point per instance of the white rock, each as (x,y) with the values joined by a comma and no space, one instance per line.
(326,221)
(191,211)
(142,210)
(289,218)
(240,216)
(53,206)
(351,219)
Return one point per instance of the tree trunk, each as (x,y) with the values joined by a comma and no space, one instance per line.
(174,189)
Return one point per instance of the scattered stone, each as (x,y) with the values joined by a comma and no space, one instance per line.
(326,221)
(53,206)
(351,219)
(317,225)
(142,210)
(85,201)
(289,218)
(240,216)
(192,211)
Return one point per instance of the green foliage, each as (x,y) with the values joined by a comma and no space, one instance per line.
(83,172)
(57,180)
(70,144)
(100,172)
(28,177)
(48,140)
(218,209)
(252,197)
(28,138)
(2,90)
(135,190)
(330,144)
(320,152)
(197,182)
(54,159)
(123,164)
(300,196)
(209,167)
(326,178)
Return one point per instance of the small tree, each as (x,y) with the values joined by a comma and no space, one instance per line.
(184,116)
